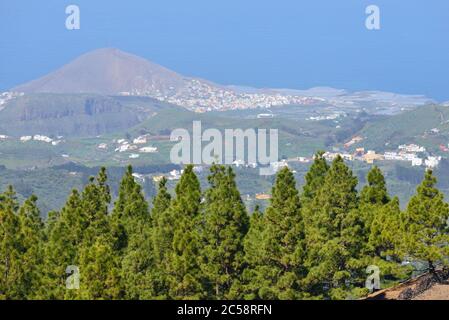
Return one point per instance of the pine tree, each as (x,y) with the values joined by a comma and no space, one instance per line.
(314,178)
(225,223)
(31,237)
(252,242)
(8,200)
(376,191)
(99,270)
(131,225)
(277,274)
(334,233)
(382,231)
(10,264)
(183,272)
(65,233)
(254,254)
(384,242)
(425,223)
(99,267)
(373,198)
(162,222)
(162,239)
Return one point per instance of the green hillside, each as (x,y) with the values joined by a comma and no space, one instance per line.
(74,115)
(409,127)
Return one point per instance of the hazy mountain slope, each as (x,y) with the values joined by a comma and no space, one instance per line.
(107,71)
(75,114)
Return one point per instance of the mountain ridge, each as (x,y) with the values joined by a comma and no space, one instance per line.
(110,71)
(103,71)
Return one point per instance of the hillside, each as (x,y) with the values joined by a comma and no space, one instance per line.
(427,125)
(107,71)
(77,115)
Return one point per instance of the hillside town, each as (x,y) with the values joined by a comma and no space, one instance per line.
(200,96)
(414,154)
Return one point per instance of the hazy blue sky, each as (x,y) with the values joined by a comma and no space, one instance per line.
(282,43)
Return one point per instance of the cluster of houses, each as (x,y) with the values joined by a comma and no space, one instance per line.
(42,138)
(136,146)
(200,96)
(333,116)
(274,166)
(37,137)
(415,154)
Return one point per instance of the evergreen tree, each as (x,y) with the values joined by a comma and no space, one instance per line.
(10,258)
(8,200)
(162,238)
(162,222)
(225,223)
(373,198)
(314,178)
(183,272)
(99,270)
(425,223)
(131,225)
(253,240)
(375,192)
(254,254)
(99,267)
(277,274)
(65,232)
(382,235)
(31,237)
(384,242)
(334,234)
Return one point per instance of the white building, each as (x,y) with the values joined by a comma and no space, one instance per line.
(124,147)
(175,175)
(198,169)
(140,140)
(303,160)
(238,163)
(265,116)
(42,138)
(26,138)
(416,162)
(412,148)
(252,165)
(331,156)
(392,156)
(148,149)
(276,166)
(56,142)
(432,162)
(139,177)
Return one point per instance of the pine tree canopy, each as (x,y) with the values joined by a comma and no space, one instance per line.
(195,244)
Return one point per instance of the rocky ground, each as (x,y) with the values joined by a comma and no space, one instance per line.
(426,287)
